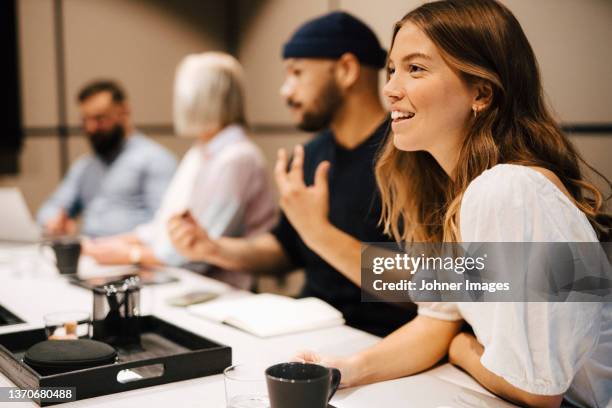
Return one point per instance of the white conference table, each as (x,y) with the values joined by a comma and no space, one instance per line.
(30,287)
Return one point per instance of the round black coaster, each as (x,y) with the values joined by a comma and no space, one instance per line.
(58,356)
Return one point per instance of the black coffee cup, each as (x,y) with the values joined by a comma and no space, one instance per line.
(67,253)
(300,385)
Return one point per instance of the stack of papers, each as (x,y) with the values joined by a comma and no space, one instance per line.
(268,315)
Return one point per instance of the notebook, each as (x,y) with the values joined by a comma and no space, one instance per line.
(268,315)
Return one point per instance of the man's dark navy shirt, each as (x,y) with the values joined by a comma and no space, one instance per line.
(355,208)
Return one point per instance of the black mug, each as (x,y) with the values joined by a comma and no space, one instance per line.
(67,253)
(301,385)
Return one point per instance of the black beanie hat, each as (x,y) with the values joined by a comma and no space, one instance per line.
(332,35)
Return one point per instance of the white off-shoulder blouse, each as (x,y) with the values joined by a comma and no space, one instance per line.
(542,348)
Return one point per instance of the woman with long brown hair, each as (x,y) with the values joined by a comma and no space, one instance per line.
(475,156)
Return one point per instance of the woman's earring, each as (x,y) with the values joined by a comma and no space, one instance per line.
(475,111)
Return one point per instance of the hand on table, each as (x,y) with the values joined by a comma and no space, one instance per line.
(61,224)
(107,251)
(306,207)
(347,366)
(189,239)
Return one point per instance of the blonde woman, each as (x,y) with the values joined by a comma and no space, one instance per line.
(475,156)
(222,181)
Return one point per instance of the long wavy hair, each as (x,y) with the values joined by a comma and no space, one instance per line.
(482,41)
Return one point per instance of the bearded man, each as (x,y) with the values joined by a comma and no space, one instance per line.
(329,197)
(119,185)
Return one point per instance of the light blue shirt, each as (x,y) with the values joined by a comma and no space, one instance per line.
(114,198)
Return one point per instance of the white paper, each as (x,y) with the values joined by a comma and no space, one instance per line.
(267,315)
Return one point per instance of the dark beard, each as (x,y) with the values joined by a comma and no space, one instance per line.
(325,108)
(107,145)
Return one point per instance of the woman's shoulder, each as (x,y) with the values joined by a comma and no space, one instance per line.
(516,183)
(530,201)
(241,152)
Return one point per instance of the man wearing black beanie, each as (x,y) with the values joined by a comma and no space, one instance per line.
(329,197)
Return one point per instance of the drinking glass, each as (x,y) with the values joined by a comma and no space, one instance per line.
(67,325)
(245,386)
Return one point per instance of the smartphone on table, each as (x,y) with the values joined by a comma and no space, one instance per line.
(192,298)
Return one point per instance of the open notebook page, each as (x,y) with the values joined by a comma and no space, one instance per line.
(267,315)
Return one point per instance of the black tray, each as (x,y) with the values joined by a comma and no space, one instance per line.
(167,354)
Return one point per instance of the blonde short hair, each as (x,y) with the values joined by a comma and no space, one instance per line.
(208,93)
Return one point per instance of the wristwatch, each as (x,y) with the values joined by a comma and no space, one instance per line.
(135,254)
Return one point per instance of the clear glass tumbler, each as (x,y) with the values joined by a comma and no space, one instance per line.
(245,386)
(68,325)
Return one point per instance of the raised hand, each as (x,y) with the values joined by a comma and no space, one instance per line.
(306,207)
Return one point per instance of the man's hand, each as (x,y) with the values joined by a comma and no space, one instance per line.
(306,207)
(61,224)
(189,239)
